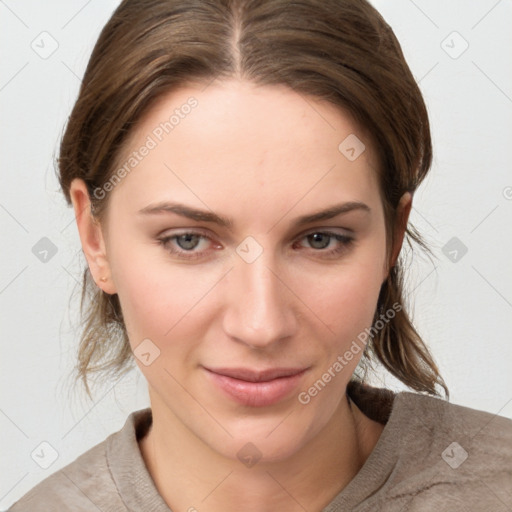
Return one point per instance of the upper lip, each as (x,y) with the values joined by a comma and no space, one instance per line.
(250,375)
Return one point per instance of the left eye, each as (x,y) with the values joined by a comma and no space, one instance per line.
(322,239)
(319,240)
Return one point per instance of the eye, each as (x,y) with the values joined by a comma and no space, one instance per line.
(188,241)
(183,244)
(328,243)
(192,244)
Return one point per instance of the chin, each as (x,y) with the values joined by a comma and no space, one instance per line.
(265,441)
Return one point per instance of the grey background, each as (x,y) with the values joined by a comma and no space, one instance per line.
(463,301)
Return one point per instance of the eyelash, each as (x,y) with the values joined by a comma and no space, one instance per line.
(345,241)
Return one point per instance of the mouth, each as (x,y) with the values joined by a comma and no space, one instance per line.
(256,388)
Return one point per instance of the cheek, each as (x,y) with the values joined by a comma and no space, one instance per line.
(155,295)
(348,314)
(346,304)
(345,298)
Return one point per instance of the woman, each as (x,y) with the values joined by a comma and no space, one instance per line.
(242,174)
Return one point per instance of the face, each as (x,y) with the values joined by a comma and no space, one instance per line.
(254,282)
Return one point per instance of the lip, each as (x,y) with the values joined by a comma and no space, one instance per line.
(256,388)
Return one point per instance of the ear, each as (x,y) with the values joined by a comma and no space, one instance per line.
(402,217)
(91,237)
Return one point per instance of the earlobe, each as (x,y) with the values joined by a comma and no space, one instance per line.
(91,237)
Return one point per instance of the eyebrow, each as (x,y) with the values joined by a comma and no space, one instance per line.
(207,216)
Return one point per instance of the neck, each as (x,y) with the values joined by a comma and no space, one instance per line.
(190,476)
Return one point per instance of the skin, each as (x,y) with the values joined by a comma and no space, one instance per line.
(261,156)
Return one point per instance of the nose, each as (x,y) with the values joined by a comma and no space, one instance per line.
(260,307)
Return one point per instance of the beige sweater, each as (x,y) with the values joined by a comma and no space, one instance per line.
(431,456)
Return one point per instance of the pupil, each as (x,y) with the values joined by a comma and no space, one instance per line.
(190,241)
(317,237)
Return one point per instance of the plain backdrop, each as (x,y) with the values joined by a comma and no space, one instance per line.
(458,50)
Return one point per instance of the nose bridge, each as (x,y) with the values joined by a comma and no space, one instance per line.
(260,311)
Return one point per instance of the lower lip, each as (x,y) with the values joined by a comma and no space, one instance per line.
(256,394)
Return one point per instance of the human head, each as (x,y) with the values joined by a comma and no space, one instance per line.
(339,51)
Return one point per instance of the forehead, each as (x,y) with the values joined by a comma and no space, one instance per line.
(238,141)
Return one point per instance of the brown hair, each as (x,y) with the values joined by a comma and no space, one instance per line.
(341,51)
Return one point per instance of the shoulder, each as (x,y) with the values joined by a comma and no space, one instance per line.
(87,483)
(439,420)
(450,455)
(74,486)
